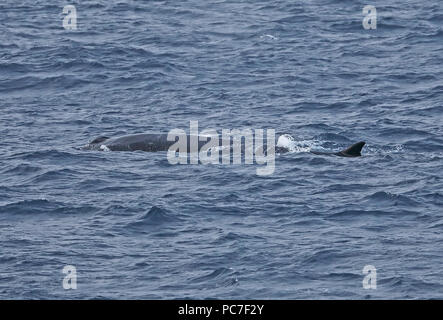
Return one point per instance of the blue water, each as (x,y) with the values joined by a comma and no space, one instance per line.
(135,226)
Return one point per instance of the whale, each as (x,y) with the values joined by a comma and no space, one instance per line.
(156,142)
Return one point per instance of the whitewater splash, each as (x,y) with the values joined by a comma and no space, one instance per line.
(297,146)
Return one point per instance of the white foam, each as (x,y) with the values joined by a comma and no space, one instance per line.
(104,148)
(269,36)
(398,148)
(285,141)
(288,142)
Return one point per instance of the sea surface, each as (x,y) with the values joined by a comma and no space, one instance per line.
(135,226)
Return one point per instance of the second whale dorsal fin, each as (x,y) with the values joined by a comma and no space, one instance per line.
(353,151)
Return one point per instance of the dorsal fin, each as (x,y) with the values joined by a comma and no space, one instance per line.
(99,140)
(353,151)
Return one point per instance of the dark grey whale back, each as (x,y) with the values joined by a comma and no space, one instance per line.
(149,142)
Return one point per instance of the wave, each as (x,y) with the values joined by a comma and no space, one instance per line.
(44,207)
(155,217)
(384,198)
(220,277)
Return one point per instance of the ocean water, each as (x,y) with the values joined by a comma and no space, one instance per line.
(136,227)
